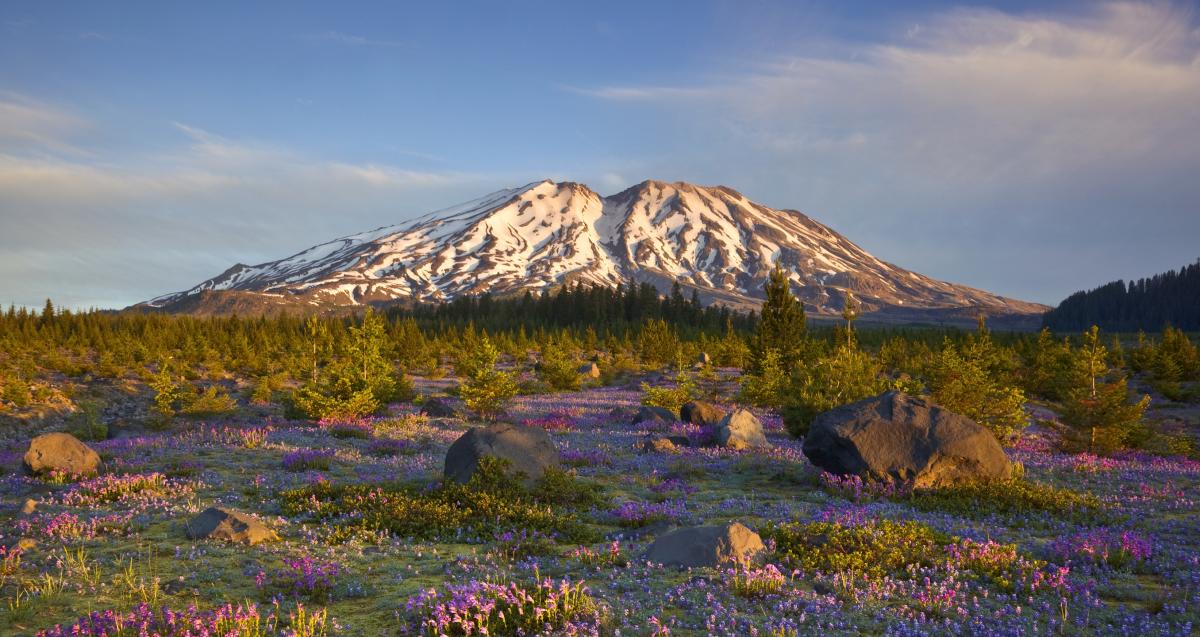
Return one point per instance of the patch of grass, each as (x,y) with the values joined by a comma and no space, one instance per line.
(874,549)
(490,502)
(1016,498)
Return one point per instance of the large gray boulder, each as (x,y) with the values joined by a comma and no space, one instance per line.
(60,452)
(894,437)
(217,523)
(741,430)
(654,416)
(528,450)
(700,546)
(701,413)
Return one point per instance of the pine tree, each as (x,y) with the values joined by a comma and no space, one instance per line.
(1101,414)
(781,327)
(486,391)
(558,370)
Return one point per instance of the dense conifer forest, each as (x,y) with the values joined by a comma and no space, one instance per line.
(1170,298)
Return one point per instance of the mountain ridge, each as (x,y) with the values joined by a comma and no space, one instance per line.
(545,234)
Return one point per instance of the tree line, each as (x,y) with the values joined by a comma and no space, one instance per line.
(1171,298)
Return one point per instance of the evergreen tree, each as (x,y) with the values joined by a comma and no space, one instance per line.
(1101,414)
(781,327)
(486,391)
(963,385)
(558,370)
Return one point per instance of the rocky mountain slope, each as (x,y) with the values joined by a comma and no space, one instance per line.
(546,234)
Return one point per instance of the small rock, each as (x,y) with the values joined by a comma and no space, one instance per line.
(232,526)
(704,360)
(528,450)
(60,452)
(701,413)
(440,408)
(29,507)
(741,430)
(658,444)
(654,416)
(700,546)
(589,370)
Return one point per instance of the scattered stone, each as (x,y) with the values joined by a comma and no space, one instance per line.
(654,416)
(61,452)
(589,370)
(528,450)
(125,429)
(440,408)
(700,546)
(894,437)
(218,523)
(655,443)
(620,413)
(701,413)
(741,430)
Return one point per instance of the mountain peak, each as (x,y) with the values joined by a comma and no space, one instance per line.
(547,233)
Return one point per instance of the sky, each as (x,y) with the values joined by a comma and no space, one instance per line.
(1027,148)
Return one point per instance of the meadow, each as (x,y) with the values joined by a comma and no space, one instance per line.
(1094,531)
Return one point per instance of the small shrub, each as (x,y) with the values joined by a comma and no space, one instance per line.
(214,401)
(85,423)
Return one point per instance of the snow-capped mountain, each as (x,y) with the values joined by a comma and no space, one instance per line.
(545,234)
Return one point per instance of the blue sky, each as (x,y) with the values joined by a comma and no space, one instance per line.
(1025,148)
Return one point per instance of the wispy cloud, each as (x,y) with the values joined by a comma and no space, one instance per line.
(1041,128)
(147,224)
(350,39)
(31,125)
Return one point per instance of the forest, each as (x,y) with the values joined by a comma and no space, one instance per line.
(1171,298)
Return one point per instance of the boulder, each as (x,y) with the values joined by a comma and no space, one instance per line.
(654,416)
(700,546)
(704,360)
(528,450)
(701,413)
(217,523)
(589,370)
(895,437)
(61,452)
(440,408)
(741,430)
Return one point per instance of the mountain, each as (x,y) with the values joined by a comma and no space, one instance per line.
(546,234)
